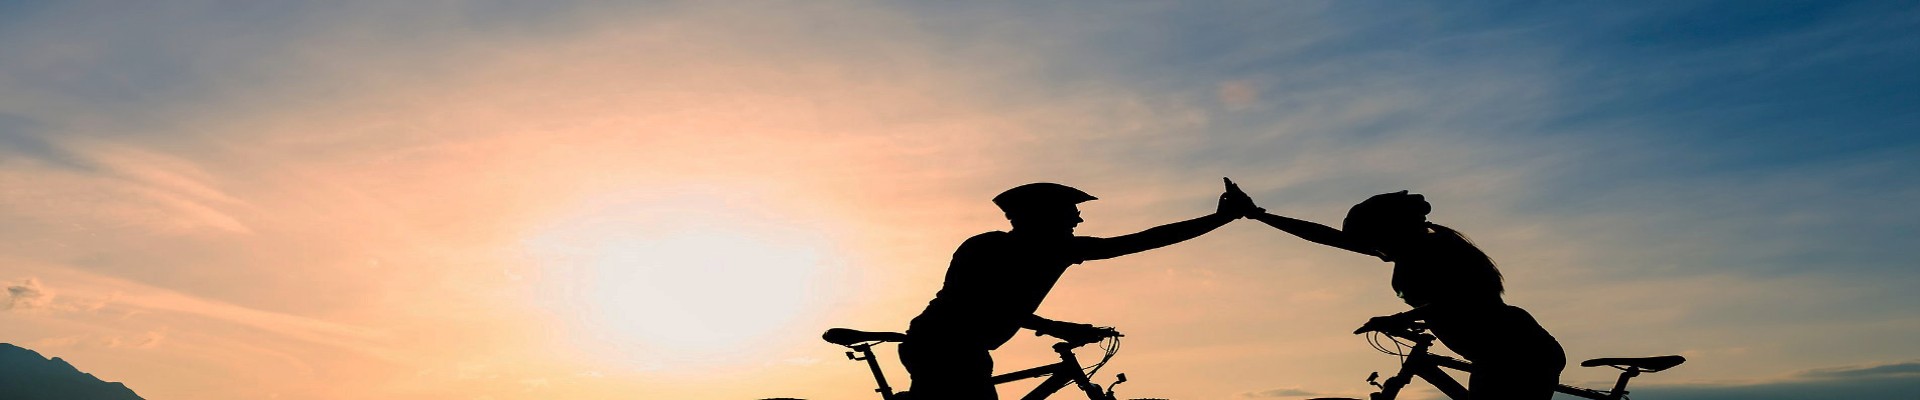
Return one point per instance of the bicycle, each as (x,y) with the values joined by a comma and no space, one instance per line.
(1068,370)
(1420,363)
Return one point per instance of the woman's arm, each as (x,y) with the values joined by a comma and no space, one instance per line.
(1313,232)
(1401,320)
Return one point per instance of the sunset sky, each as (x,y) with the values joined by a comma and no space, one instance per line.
(612,200)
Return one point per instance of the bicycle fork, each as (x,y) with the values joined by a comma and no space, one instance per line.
(1425,366)
(1431,373)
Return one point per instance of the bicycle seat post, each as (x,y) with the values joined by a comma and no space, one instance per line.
(866,354)
(1620,387)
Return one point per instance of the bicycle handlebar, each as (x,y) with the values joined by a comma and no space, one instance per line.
(1099,333)
(1105,332)
(1416,331)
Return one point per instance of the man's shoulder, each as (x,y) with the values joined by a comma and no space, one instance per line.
(988,240)
(996,240)
(1001,237)
(1006,237)
(990,235)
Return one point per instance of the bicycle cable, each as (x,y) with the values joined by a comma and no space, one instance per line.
(1112,346)
(1373,339)
(1399,349)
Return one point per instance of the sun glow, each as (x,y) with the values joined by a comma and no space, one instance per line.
(673,287)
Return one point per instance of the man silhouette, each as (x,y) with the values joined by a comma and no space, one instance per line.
(997,280)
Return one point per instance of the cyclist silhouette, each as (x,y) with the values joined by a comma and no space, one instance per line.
(998,279)
(1453,286)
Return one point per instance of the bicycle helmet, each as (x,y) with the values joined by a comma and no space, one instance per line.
(1387,209)
(1041,194)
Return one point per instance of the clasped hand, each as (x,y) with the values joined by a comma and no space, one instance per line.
(1236,203)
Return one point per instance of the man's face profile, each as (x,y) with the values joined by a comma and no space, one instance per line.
(1055,219)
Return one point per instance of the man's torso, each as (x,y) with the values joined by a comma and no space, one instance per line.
(996,280)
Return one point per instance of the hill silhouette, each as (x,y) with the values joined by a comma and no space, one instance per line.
(26,375)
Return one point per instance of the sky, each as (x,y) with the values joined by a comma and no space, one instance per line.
(671,200)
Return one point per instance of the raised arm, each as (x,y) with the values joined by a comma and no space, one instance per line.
(1313,232)
(1233,205)
(1156,237)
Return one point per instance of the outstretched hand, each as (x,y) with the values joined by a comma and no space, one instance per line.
(1236,203)
(1073,332)
(1383,323)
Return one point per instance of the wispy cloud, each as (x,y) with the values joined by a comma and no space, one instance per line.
(1887,381)
(363,179)
(27,294)
(1895,370)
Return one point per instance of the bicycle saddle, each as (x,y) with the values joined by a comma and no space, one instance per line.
(1645,364)
(847,337)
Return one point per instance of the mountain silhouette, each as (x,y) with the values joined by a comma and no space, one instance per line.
(25,375)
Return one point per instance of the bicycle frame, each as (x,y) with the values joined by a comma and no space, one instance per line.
(1059,374)
(1426,365)
(1420,363)
(1066,371)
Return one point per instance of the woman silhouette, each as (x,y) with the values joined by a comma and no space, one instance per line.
(1453,286)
